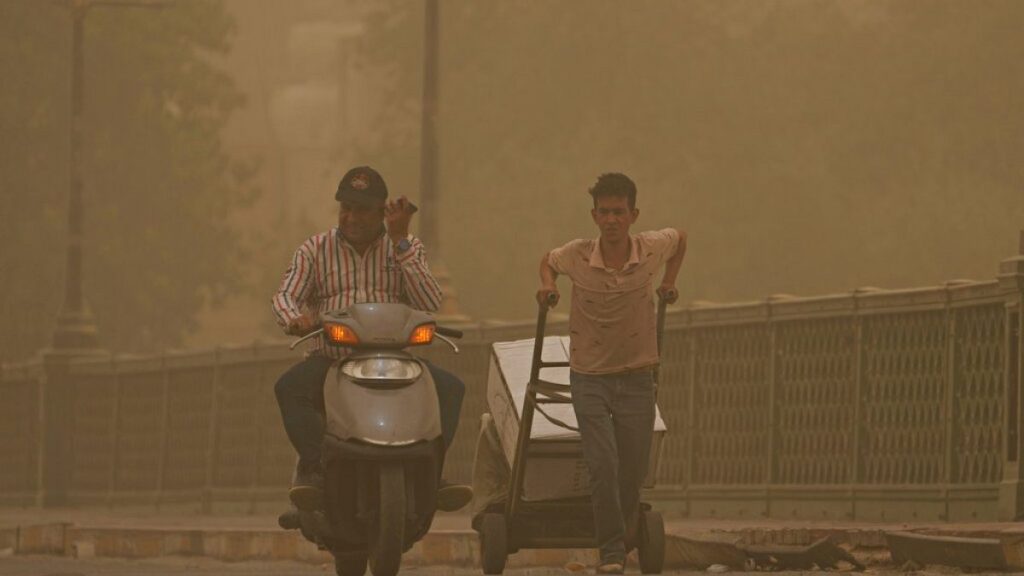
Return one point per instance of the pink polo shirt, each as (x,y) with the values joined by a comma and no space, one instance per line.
(612,322)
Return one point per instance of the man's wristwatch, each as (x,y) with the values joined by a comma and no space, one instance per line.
(403,245)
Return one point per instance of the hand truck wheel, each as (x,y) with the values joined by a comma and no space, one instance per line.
(493,543)
(651,548)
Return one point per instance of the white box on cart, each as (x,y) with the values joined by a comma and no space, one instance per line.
(555,468)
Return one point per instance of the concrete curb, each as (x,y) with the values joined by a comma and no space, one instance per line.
(442,547)
(445,547)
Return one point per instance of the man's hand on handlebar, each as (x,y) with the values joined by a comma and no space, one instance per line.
(548,296)
(668,293)
(300,326)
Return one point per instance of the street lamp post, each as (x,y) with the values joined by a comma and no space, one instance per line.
(428,130)
(429,230)
(76,330)
(75,327)
(76,334)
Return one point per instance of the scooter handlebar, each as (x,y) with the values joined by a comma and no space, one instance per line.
(308,335)
(449,332)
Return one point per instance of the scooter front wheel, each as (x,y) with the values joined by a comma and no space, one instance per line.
(387,534)
(350,563)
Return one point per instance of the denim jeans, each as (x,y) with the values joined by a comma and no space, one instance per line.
(300,396)
(615,413)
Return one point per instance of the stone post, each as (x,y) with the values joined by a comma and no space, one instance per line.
(1011,489)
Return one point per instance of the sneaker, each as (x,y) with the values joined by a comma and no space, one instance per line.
(611,568)
(307,491)
(290,520)
(452,497)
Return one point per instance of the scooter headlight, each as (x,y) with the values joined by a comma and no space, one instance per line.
(382,369)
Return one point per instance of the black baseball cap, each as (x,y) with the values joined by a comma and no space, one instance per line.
(362,184)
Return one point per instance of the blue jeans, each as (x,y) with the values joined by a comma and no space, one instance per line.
(615,413)
(300,396)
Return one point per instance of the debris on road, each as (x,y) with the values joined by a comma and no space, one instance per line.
(822,553)
(721,555)
(968,553)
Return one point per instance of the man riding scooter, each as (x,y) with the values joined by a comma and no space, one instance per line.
(370,257)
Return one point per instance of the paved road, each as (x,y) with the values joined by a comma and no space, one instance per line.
(59,566)
(178,566)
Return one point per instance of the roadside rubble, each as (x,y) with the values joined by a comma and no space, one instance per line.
(909,551)
(913,549)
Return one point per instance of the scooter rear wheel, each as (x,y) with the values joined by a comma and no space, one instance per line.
(387,535)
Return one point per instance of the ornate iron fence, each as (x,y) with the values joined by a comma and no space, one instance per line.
(20,437)
(870,405)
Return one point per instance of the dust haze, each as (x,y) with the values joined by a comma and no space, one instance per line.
(807,147)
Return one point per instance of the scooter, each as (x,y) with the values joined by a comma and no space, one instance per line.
(383,450)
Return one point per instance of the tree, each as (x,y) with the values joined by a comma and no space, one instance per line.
(158,185)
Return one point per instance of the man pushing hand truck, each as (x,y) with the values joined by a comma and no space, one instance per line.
(614,346)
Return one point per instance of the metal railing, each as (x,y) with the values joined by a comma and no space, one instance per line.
(871,405)
(874,404)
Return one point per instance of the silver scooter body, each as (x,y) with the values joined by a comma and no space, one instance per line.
(381,414)
(386,397)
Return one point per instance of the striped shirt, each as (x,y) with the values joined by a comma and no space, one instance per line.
(327,273)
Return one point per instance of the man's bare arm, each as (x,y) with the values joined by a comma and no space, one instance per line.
(548,277)
(667,290)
